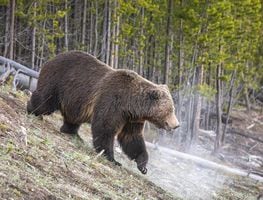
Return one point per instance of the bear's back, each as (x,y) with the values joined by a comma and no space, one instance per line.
(75,62)
(72,67)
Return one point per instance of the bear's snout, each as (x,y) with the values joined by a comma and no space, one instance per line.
(172,122)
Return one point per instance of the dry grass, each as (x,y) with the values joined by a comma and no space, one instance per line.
(38,162)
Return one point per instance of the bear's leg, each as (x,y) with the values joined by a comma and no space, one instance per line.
(69,128)
(103,140)
(41,106)
(133,145)
(105,144)
(33,103)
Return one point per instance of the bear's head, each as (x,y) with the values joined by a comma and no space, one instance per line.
(162,112)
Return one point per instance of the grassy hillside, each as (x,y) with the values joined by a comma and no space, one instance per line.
(38,162)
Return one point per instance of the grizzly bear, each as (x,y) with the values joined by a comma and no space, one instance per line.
(114,101)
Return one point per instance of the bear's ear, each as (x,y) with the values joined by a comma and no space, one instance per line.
(165,87)
(154,95)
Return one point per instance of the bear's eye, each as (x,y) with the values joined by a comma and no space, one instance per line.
(154,95)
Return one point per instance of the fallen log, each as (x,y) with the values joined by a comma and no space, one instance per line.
(22,82)
(207,163)
(207,132)
(24,78)
(234,131)
(18,66)
(6,73)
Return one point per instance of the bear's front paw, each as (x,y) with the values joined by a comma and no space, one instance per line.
(143,170)
(114,161)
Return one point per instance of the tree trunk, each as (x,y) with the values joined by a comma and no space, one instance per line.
(112,60)
(196,112)
(91,29)
(167,46)
(108,34)
(198,80)
(246,89)
(105,49)
(66,26)
(7,30)
(104,33)
(19,48)
(96,30)
(248,106)
(140,69)
(84,20)
(180,65)
(190,99)
(141,60)
(77,23)
(150,63)
(207,117)
(116,51)
(12,29)
(114,34)
(34,37)
(43,45)
(117,45)
(219,135)
(153,60)
(229,107)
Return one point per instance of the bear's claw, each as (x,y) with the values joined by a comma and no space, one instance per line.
(114,161)
(143,170)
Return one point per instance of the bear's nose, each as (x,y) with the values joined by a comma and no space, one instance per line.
(177,126)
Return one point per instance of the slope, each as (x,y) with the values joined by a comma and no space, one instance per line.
(38,162)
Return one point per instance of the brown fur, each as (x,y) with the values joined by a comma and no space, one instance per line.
(115,102)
